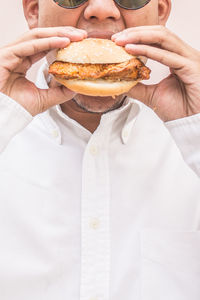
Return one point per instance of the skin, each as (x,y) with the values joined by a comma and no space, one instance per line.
(142,32)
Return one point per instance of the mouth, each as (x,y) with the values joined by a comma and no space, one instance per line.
(101,35)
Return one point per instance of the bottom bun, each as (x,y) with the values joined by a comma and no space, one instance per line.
(98,87)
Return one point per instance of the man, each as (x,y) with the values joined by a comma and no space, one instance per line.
(96,200)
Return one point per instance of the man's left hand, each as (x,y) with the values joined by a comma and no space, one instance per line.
(178,95)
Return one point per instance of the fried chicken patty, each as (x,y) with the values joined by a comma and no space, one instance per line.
(133,69)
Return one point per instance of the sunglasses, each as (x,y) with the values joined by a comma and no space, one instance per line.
(126,4)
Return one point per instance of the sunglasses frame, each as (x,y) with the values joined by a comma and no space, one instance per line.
(56,1)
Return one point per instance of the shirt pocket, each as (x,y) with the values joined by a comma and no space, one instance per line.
(170,265)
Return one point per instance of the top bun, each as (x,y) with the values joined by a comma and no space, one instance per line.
(93,51)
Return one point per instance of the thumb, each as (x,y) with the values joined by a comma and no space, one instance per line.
(54,96)
(143,93)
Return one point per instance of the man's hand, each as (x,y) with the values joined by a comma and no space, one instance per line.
(178,95)
(17,58)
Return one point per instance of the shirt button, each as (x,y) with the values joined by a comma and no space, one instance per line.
(55,133)
(93,150)
(94,223)
(125,134)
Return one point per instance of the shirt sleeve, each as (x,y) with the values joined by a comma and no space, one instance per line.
(186,133)
(13,118)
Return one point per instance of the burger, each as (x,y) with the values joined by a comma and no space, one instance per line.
(98,67)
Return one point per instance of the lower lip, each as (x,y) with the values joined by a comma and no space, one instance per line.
(100,35)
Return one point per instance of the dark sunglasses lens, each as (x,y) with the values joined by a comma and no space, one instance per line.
(69,3)
(132,4)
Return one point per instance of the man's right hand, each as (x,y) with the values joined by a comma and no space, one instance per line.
(17,58)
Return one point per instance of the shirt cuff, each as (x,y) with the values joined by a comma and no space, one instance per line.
(13,118)
(186,133)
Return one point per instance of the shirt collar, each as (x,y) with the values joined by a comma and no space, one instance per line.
(132,106)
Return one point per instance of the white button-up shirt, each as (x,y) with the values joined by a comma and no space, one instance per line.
(113,215)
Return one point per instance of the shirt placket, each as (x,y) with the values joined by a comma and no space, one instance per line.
(95,223)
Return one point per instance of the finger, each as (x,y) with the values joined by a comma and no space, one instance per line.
(163,39)
(74,34)
(167,58)
(143,93)
(12,57)
(134,29)
(28,62)
(35,58)
(53,96)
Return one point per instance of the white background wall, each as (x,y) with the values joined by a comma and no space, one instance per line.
(184,21)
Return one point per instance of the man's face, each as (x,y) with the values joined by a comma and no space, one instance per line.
(101,19)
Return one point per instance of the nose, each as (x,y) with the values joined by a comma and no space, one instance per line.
(101,10)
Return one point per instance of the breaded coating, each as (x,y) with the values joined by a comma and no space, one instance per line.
(130,70)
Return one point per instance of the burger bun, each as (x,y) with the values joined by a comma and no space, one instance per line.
(97,87)
(95,51)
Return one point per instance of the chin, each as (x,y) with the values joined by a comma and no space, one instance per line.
(98,104)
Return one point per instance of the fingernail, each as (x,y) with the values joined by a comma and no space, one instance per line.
(119,39)
(130,46)
(78,33)
(83,31)
(114,36)
(64,39)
